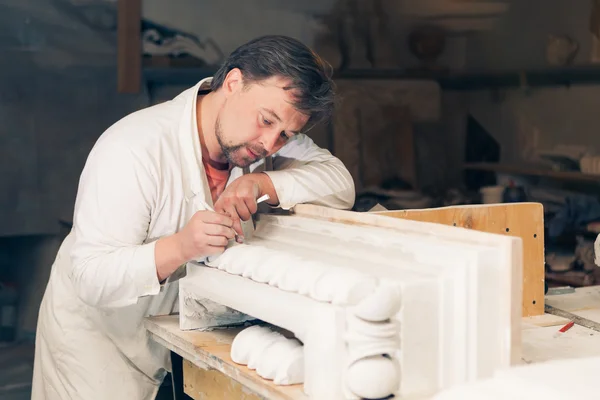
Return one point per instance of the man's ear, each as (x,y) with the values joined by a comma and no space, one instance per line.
(233,82)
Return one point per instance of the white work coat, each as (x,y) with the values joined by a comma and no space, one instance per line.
(142,181)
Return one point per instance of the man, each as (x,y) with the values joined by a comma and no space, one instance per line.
(143,210)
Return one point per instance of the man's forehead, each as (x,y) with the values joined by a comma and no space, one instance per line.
(275,82)
(277,95)
(274,96)
(277,87)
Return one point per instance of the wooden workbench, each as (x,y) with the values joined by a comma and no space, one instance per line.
(209,373)
(538,335)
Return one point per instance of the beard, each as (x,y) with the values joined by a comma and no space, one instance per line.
(236,154)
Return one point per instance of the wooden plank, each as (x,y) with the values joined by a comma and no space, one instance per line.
(129,46)
(208,350)
(524,220)
(543,321)
(205,383)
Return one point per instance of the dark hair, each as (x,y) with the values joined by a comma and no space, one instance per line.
(276,55)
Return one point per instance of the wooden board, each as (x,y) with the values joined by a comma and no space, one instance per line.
(387,145)
(129,46)
(543,321)
(373,129)
(209,372)
(540,339)
(209,351)
(524,220)
(543,344)
(205,383)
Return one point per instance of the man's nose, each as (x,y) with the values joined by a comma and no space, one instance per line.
(271,140)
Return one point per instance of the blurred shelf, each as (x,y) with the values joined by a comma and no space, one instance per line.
(171,62)
(188,70)
(532,171)
(156,76)
(474,80)
(391,74)
(133,69)
(162,70)
(550,76)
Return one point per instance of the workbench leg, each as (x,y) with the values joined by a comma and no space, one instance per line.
(177,377)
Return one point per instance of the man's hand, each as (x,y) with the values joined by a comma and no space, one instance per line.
(238,200)
(206,233)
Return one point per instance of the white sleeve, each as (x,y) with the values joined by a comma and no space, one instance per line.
(111,264)
(305,173)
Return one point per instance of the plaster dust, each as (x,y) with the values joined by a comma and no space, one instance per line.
(271,354)
(204,314)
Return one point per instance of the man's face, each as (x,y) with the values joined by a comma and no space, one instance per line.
(255,121)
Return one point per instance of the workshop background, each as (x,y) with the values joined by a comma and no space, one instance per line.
(442,102)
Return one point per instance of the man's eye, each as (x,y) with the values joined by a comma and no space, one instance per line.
(284,135)
(266,122)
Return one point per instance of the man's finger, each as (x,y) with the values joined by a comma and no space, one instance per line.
(242,211)
(237,226)
(215,250)
(217,218)
(219,230)
(217,241)
(251,204)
